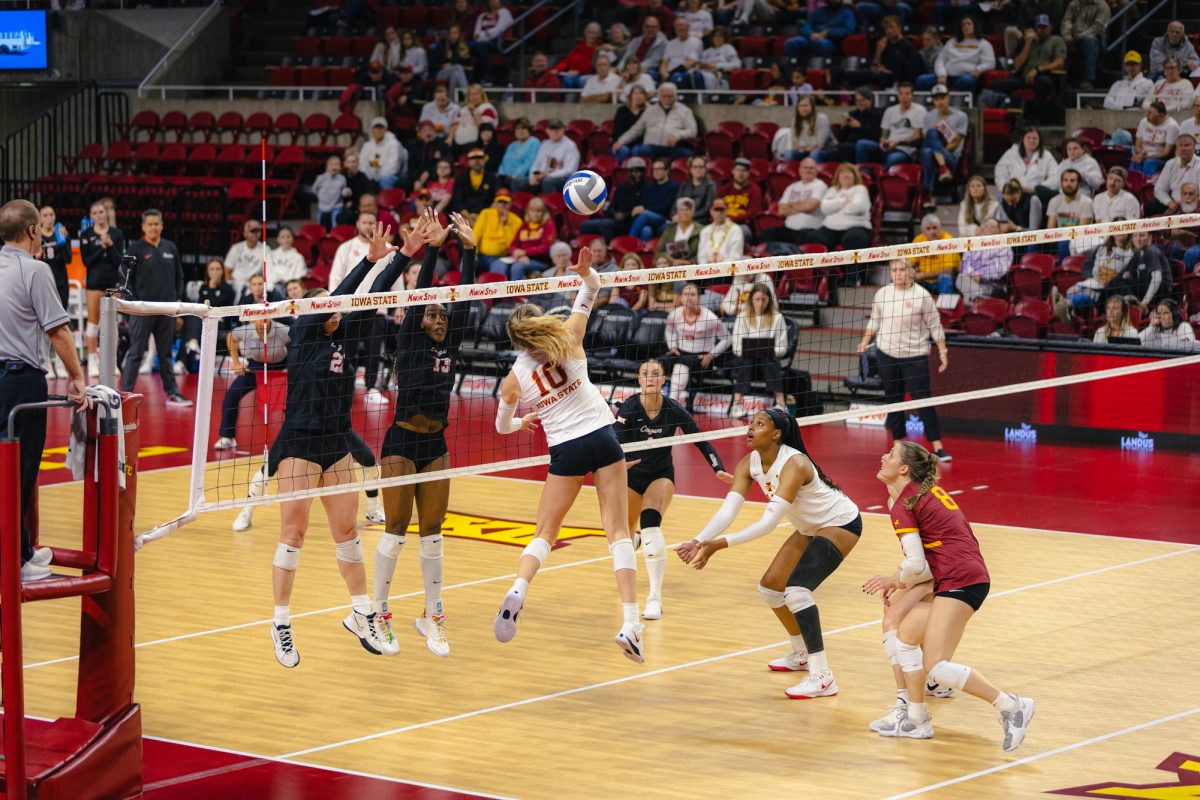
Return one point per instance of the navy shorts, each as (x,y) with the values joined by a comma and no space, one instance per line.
(588,453)
(640,479)
(317,447)
(422,449)
(972,595)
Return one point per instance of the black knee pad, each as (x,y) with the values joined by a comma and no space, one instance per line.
(819,561)
(650,519)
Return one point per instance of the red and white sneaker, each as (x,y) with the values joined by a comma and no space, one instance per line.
(817,684)
(792,662)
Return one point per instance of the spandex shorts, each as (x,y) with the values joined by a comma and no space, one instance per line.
(102,278)
(640,479)
(422,449)
(588,453)
(972,595)
(322,449)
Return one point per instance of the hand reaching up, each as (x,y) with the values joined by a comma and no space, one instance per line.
(584,265)
(413,241)
(462,229)
(380,249)
(431,228)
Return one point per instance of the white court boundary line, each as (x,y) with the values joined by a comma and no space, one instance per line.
(1039,756)
(698,662)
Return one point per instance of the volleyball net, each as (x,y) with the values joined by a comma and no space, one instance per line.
(720,347)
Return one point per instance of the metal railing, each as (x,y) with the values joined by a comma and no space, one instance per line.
(254,92)
(197,25)
(526,34)
(515,94)
(1117,43)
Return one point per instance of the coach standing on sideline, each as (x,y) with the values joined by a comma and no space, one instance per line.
(157,277)
(31,319)
(905,318)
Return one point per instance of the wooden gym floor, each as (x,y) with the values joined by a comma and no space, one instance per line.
(1101,631)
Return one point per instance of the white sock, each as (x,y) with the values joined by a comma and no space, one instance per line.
(917,712)
(798,645)
(431,572)
(283,615)
(654,551)
(817,662)
(361,603)
(520,586)
(1006,703)
(901,697)
(385,567)
(630,612)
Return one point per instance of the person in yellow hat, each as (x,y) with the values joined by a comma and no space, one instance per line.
(1133,88)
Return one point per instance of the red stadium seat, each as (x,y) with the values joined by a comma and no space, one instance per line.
(1042,262)
(312,231)
(145,158)
(318,124)
(172,159)
(625,244)
(719,144)
(735,129)
(282,77)
(231,123)
(767,129)
(201,161)
(203,124)
(1029,319)
(391,198)
(1025,282)
(257,126)
(348,125)
(144,122)
(230,161)
(173,122)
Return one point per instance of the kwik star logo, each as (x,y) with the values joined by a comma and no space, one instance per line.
(1185,786)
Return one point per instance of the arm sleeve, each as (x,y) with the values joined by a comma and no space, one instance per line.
(723,518)
(781,336)
(672,331)
(741,330)
(767,523)
(933,320)
(723,337)
(859,201)
(505,422)
(460,312)
(914,568)
(1162,187)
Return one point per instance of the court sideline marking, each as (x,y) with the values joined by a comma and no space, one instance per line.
(698,662)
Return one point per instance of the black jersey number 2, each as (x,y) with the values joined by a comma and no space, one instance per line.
(552,377)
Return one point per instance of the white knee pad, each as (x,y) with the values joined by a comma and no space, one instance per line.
(622,555)
(431,546)
(538,547)
(390,545)
(654,546)
(371,473)
(680,374)
(909,656)
(948,673)
(287,557)
(890,647)
(351,552)
(774,599)
(93,330)
(797,598)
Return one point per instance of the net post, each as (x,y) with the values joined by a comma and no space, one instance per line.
(108,341)
(10,609)
(210,330)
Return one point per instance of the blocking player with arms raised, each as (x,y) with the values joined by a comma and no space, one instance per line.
(644,416)
(426,361)
(937,539)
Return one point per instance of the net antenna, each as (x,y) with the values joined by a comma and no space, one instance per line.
(266,378)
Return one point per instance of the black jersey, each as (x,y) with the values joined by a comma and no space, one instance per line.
(320,374)
(425,370)
(103,263)
(56,252)
(634,425)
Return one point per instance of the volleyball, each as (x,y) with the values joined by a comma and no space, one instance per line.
(585,192)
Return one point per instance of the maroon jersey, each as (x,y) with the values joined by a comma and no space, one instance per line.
(950,545)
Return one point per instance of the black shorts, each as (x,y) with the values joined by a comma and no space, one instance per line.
(101,279)
(853,526)
(422,449)
(316,447)
(640,479)
(972,595)
(588,453)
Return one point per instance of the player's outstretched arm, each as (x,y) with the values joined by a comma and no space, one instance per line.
(585,298)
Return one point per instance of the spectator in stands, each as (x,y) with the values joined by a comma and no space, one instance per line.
(698,187)
(215,291)
(1173,44)
(490,27)
(901,132)
(441,185)
(328,188)
(875,13)
(680,239)
(1070,208)
(979,205)
(604,85)
(1023,209)
(1169,330)
(521,152)
(557,159)
(358,183)
(1114,202)
(464,131)
(1183,169)
(893,62)
(862,122)
(1116,322)
(619,211)
(1102,265)
(495,228)
(530,246)
(1043,55)
(984,272)
(945,136)
(648,47)
(936,272)
(493,153)
(658,200)
(618,40)
(1028,12)
(846,209)
(1083,25)
(540,76)
(718,59)
(699,19)
(407,95)
(388,52)
(1184,241)
(383,158)
(255,292)
(962,61)
(696,339)
(1079,159)
(245,258)
(474,191)
(441,113)
(560,259)
(931,48)
(681,57)
(412,54)
(800,206)
(1174,90)
(1147,276)
(375,76)
(424,154)
(653,8)
(661,128)
(734,300)
(578,63)
(628,114)
(1155,141)
(369,204)
(1032,165)
(602,262)
(758,319)
(722,239)
(823,32)
(746,12)
(1192,126)
(633,75)
(1130,91)
(451,61)
(809,132)
(635,298)
(463,15)
(742,195)
(287,263)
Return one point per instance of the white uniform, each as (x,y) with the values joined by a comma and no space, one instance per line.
(565,400)
(816,505)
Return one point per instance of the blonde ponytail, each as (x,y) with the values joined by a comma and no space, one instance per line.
(530,328)
(922,469)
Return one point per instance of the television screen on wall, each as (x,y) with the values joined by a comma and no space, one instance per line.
(23,40)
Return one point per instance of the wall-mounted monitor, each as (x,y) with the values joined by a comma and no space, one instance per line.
(23,40)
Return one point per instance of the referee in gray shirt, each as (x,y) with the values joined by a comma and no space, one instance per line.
(31,320)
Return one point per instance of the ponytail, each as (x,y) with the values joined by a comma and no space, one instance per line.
(530,328)
(922,469)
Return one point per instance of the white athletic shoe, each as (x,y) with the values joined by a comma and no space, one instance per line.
(653,609)
(35,572)
(792,662)
(817,684)
(225,443)
(376,398)
(886,725)
(147,364)
(434,631)
(937,690)
(505,624)
(244,521)
(1017,724)
(637,541)
(375,514)
(179,368)
(363,626)
(42,556)
(629,639)
(909,728)
(737,411)
(94,367)
(285,649)
(383,632)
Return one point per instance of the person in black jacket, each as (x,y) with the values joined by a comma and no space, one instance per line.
(215,291)
(474,191)
(616,219)
(358,183)
(101,247)
(863,122)
(56,250)
(1147,277)
(157,277)
(895,61)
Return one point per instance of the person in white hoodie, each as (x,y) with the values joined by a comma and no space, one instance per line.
(962,61)
(1079,159)
(1031,165)
(661,128)
(557,158)
(383,159)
